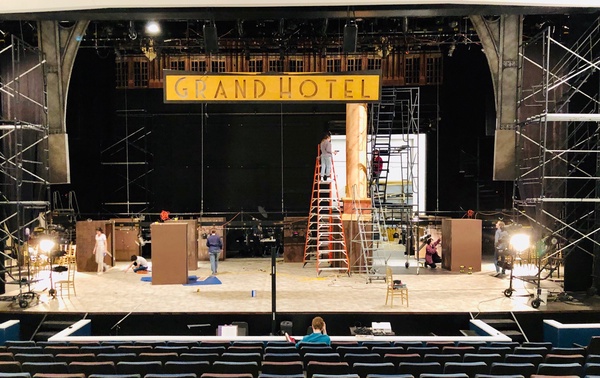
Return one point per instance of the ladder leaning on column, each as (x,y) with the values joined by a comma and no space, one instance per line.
(325,243)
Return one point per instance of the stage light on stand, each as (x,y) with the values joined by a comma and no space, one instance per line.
(520,242)
(47,245)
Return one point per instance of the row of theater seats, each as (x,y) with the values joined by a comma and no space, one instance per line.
(284,359)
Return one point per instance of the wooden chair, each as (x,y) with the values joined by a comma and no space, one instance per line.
(69,282)
(394,290)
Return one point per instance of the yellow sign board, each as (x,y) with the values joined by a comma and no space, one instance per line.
(362,86)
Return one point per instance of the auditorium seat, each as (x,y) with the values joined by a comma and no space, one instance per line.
(196,367)
(372,344)
(162,357)
(115,343)
(219,349)
(30,357)
(282,368)
(506,368)
(115,376)
(458,350)
(248,344)
(7,356)
(591,369)
(469,368)
(58,375)
(188,344)
(422,351)
(97,349)
(322,357)
(503,351)
(593,358)
(537,350)
(387,349)
(210,357)
(559,369)
(244,349)
(15,375)
(89,368)
(510,344)
(20,343)
(342,350)
(282,357)
(139,367)
(45,367)
(440,344)
(116,357)
(163,375)
(26,350)
(474,344)
(10,367)
(442,358)
(352,358)
(336,376)
(72,357)
(137,349)
(442,375)
(280,349)
(488,358)
(499,376)
(210,344)
(407,344)
(552,358)
(418,368)
(536,344)
(329,368)
(280,344)
(390,376)
(262,375)
(364,368)
(241,357)
(61,349)
(568,351)
(535,359)
(171,348)
(315,349)
(231,367)
(397,359)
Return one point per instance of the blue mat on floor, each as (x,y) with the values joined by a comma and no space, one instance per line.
(190,279)
(210,280)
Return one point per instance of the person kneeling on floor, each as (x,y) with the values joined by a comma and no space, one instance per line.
(431,255)
(138,262)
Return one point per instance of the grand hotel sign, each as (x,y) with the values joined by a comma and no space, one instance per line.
(359,86)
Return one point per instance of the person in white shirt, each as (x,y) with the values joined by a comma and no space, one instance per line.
(100,250)
(138,262)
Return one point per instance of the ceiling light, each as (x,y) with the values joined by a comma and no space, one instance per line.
(152,28)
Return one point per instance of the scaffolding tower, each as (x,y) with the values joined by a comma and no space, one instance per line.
(24,158)
(558,154)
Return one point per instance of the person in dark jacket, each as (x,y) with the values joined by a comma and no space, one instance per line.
(215,246)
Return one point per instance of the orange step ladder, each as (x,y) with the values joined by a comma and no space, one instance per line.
(325,244)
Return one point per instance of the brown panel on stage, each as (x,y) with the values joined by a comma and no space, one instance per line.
(86,240)
(127,232)
(192,240)
(169,253)
(461,244)
(204,231)
(294,234)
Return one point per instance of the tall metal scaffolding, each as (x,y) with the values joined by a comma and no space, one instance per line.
(558,154)
(24,140)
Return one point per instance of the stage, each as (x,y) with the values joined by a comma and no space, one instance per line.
(299,290)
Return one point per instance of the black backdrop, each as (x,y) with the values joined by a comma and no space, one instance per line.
(242,150)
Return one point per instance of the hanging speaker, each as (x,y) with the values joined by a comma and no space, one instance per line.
(350,37)
(211,41)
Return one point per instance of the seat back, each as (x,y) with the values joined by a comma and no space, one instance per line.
(178,367)
(89,368)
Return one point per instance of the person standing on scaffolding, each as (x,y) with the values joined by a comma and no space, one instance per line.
(326,156)
(376,168)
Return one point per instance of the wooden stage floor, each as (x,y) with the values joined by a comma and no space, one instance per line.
(299,290)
